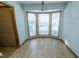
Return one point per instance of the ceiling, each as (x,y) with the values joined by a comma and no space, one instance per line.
(39,2)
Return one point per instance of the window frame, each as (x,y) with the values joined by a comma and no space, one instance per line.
(37,25)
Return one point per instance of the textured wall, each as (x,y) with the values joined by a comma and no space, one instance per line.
(70,32)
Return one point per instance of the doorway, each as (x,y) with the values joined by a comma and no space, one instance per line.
(43,24)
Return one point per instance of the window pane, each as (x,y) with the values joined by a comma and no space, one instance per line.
(32,24)
(55,23)
(43,24)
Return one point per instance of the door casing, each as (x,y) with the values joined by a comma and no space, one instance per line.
(7,5)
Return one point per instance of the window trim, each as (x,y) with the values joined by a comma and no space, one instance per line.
(50,26)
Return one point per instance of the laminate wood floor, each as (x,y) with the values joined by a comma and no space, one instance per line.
(42,48)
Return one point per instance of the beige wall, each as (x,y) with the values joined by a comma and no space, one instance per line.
(7,37)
